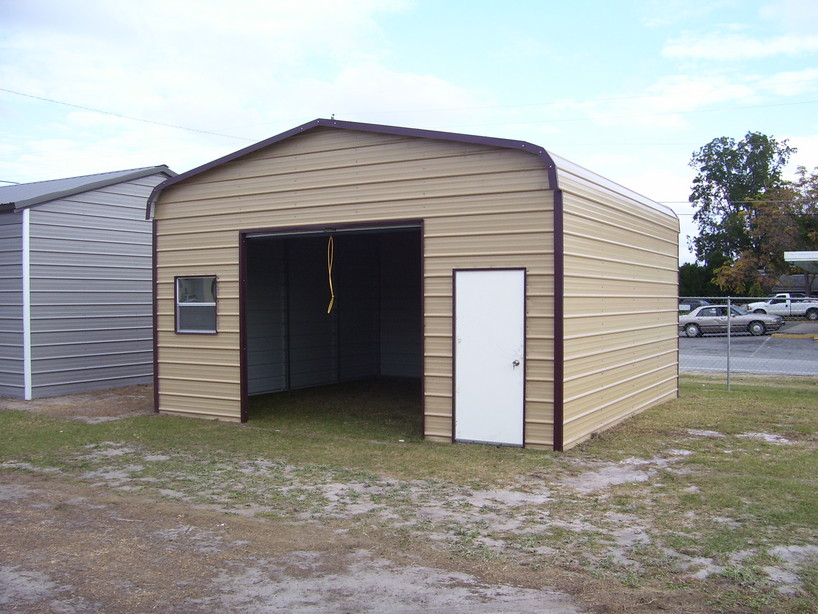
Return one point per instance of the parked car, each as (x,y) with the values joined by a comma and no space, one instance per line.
(787,295)
(787,307)
(714,319)
(688,304)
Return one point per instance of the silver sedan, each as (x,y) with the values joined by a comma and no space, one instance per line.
(714,319)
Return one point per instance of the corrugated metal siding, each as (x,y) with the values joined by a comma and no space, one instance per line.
(11,306)
(313,343)
(401,329)
(374,327)
(357,283)
(91,290)
(620,288)
(266,318)
(481,206)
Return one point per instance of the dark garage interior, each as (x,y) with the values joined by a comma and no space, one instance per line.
(374,325)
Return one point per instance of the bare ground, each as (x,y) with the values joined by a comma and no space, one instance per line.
(105,543)
(70,547)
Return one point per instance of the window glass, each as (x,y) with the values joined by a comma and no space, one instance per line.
(196,304)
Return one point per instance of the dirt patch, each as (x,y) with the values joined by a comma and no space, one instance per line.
(97,406)
(75,548)
(136,530)
(99,546)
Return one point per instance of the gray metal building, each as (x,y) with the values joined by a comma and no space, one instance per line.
(75,283)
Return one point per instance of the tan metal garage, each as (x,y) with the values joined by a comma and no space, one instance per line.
(536,300)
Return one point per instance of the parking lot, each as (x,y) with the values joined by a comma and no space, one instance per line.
(791,351)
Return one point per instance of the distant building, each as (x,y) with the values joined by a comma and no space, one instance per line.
(806,282)
(75,276)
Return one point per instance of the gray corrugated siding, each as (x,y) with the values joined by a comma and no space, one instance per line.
(91,322)
(266,318)
(401,342)
(11,305)
(313,338)
(357,288)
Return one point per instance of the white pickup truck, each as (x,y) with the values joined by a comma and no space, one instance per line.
(784,304)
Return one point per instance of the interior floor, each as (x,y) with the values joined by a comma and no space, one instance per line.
(389,408)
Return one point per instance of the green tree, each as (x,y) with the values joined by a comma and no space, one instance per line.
(733,178)
(805,209)
(783,219)
(696,280)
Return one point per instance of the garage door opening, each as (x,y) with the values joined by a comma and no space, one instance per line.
(323,307)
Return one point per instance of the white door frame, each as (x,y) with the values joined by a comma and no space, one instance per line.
(489,356)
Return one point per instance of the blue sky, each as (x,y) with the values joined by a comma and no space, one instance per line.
(627,88)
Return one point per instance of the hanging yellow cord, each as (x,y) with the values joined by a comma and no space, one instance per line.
(330,262)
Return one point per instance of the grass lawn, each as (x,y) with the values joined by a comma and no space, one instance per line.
(708,503)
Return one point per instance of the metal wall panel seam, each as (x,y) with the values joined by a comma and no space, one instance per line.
(53,224)
(635,329)
(620,244)
(619,417)
(597,409)
(211,397)
(74,383)
(581,377)
(108,265)
(624,280)
(97,367)
(618,348)
(617,261)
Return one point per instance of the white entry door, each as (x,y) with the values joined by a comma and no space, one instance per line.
(489,342)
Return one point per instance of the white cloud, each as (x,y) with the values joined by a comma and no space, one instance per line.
(807,155)
(247,68)
(661,13)
(790,83)
(185,62)
(797,16)
(665,103)
(686,92)
(727,46)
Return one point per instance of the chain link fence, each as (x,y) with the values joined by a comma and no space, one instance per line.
(775,336)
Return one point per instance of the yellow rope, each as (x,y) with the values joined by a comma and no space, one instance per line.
(330,263)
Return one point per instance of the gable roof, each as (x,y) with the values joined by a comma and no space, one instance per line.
(551,162)
(20,196)
(363,127)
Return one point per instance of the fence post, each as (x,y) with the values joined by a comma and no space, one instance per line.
(729,339)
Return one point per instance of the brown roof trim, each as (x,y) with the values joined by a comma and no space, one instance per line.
(559,324)
(548,162)
(155,316)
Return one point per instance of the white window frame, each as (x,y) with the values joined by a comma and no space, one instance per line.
(195,304)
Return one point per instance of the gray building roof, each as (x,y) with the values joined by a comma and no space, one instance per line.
(20,196)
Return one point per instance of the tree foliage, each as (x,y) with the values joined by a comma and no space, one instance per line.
(696,280)
(747,214)
(731,175)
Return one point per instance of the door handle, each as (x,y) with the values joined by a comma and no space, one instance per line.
(516,363)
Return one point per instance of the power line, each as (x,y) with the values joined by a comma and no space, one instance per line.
(392,112)
(120,115)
